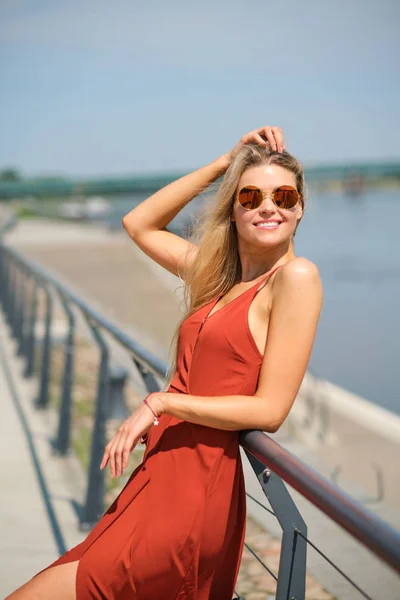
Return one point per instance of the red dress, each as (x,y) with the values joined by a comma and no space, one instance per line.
(176,530)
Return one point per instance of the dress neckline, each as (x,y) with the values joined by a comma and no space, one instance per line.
(215,301)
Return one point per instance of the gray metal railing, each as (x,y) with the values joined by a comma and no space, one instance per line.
(20,283)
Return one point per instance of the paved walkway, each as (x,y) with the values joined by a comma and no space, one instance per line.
(38,490)
(27,542)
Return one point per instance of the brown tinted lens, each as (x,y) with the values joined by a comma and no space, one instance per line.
(250,197)
(285,197)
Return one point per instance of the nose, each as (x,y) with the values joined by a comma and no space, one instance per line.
(267,204)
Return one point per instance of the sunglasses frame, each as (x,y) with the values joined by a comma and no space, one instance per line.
(272,196)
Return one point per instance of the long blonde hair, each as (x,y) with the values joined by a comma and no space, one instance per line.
(216,268)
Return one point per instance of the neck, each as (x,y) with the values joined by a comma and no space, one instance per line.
(257,262)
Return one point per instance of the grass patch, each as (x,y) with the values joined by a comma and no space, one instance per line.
(84,389)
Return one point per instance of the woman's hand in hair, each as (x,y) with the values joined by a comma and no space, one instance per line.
(261,136)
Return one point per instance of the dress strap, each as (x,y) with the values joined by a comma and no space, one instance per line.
(249,293)
(256,287)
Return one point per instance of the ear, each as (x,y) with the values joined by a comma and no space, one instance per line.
(301,212)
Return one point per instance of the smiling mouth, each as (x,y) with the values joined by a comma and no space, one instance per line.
(271,225)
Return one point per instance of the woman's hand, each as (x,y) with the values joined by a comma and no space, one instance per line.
(128,435)
(261,136)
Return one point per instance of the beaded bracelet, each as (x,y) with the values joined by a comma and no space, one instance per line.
(156,421)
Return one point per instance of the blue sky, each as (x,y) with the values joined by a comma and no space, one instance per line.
(101,87)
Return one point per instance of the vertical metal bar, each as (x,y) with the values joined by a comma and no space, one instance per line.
(9,285)
(6,272)
(11,295)
(62,442)
(20,306)
(22,311)
(24,346)
(30,354)
(43,397)
(94,504)
(292,565)
(15,325)
(116,406)
(147,376)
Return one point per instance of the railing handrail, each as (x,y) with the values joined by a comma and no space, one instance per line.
(156,365)
(362,524)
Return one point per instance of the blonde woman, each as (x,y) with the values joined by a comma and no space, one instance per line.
(176,530)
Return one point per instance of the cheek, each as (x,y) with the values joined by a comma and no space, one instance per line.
(295,216)
(243,222)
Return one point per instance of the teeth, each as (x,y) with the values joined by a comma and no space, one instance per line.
(268,225)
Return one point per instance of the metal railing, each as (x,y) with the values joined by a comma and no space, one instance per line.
(20,283)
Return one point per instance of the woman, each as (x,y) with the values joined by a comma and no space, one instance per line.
(176,530)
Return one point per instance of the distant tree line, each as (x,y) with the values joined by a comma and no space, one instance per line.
(10,174)
(13,174)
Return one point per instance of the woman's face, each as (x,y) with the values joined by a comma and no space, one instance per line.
(267,178)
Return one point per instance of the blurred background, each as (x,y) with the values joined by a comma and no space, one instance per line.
(104,103)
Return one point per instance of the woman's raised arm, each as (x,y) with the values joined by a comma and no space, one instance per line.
(146,223)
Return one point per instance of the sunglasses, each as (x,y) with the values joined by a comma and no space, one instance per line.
(251,197)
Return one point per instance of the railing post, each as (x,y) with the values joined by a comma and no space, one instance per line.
(15,310)
(24,343)
(8,295)
(10,286)
(147,377)
(43,397)
(292,565)
(21,309)
(11,291)
(62,442)
(30,346)
(94,503)
(116,407)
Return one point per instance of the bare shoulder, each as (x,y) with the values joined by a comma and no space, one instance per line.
(299,270)
(299,277)
(300,267)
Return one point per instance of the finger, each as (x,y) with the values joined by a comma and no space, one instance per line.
(253,136)
(270,137)
(106,457)
(112,463)
(129,445)
(260,140)
(118,453)
(113,447)
(278,134)
(104,460)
